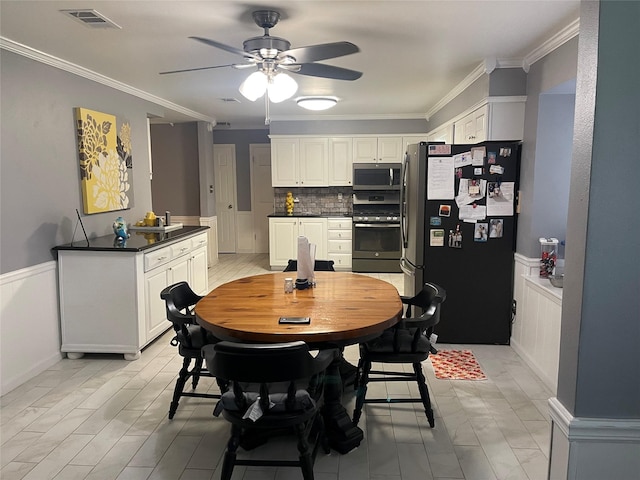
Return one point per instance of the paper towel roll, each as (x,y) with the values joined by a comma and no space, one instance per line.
(306,259)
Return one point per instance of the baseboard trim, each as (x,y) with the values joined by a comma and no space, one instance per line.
(580,429)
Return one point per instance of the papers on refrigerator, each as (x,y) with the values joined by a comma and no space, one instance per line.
(472,213)
(440,178)
(470,190)
(500,198)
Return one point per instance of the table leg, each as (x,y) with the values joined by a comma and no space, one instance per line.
(343,436)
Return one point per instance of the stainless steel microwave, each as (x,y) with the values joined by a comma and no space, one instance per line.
(376,176)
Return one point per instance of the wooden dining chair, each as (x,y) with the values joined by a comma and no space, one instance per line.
(190,338)
(271,387)
(406,342)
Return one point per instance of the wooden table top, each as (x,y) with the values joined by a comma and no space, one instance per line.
(344,308)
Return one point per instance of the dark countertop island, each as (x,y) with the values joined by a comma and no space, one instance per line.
(138,241)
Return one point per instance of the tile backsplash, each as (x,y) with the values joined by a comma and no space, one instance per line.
(315,200)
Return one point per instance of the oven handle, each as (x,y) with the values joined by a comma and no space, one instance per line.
(376,225)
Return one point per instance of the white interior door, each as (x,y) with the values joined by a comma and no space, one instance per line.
(261,194)
(224,158)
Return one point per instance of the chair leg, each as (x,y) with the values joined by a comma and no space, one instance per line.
(356,381)
(196,372)
(424,393)
(362,390)
(230,455)
(306,459)
(183,376)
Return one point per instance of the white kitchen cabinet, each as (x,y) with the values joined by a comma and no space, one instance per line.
(339,245)
(340,161)
(442,134)
(314,162)
(110,298)
(410,140)
(283,238)
(472,128)
(284,162)
(378,150)
(299,162)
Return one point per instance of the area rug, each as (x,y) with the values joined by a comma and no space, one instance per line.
(456,365)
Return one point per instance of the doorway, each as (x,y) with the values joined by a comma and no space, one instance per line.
(261,194)
(224,164)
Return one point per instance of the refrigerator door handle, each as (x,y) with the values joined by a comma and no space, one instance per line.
(409,268)
(403,201)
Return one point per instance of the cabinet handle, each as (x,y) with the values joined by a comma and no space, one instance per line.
(184,248)
(161,258)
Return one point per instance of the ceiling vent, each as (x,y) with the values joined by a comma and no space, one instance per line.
(230,100)
(91,18)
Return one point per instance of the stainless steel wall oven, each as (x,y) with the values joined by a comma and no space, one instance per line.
(376,232)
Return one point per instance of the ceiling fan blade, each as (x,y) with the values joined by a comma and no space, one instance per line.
(324,51)
(227,48)
(326,71)
(201,68)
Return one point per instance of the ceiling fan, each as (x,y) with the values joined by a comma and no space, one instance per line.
(273,56)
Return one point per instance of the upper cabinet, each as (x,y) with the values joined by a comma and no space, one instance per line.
(341,161)
(299,162)
(471,128)
(496,118)
(378,149)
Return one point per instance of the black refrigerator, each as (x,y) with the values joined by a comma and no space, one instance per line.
(458,228)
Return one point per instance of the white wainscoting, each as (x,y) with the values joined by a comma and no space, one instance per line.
(212,223)
(29,324)
(535,335)
(592,448)
(245,240)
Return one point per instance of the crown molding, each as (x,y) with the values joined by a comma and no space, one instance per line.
(557,40)
(491,64)
(477,72)
(56,62)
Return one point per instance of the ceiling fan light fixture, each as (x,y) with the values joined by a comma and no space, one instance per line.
(254,86)
(316,103)
(281,87)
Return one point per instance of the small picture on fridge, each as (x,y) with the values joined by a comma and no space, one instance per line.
(481,232)
(445,210)
(493,189)
(495,228)
(505,152)
(455,238)
(491,157)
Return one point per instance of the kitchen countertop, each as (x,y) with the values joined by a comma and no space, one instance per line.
(138,241)
(318,215)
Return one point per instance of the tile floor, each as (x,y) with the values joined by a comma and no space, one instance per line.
(103,418)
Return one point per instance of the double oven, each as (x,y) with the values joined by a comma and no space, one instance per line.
(376,218)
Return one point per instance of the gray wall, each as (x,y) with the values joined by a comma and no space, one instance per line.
(557,68)
(349,127)
(39,169)
(599,374)
(473,94)
(175,181)
(553,166)
(242,139)
(507,82)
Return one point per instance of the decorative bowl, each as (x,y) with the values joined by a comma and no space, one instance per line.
(557,280)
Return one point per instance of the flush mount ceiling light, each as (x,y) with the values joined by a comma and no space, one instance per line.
(316,103)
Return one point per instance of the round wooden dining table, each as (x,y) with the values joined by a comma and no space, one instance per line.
(343,308)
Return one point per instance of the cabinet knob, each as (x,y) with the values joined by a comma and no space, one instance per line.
(230,206)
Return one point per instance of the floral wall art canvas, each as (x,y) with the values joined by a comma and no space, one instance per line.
(104,148)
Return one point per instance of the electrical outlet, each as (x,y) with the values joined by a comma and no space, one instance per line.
(296,200)
(340,196)
(433,338)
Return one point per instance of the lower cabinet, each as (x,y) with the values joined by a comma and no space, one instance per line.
(110,300)
(339,242)
(283,238)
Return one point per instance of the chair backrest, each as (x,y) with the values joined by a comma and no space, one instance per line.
(319,266)
(266,369)
(179,300)
(259,363)
(429,300)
